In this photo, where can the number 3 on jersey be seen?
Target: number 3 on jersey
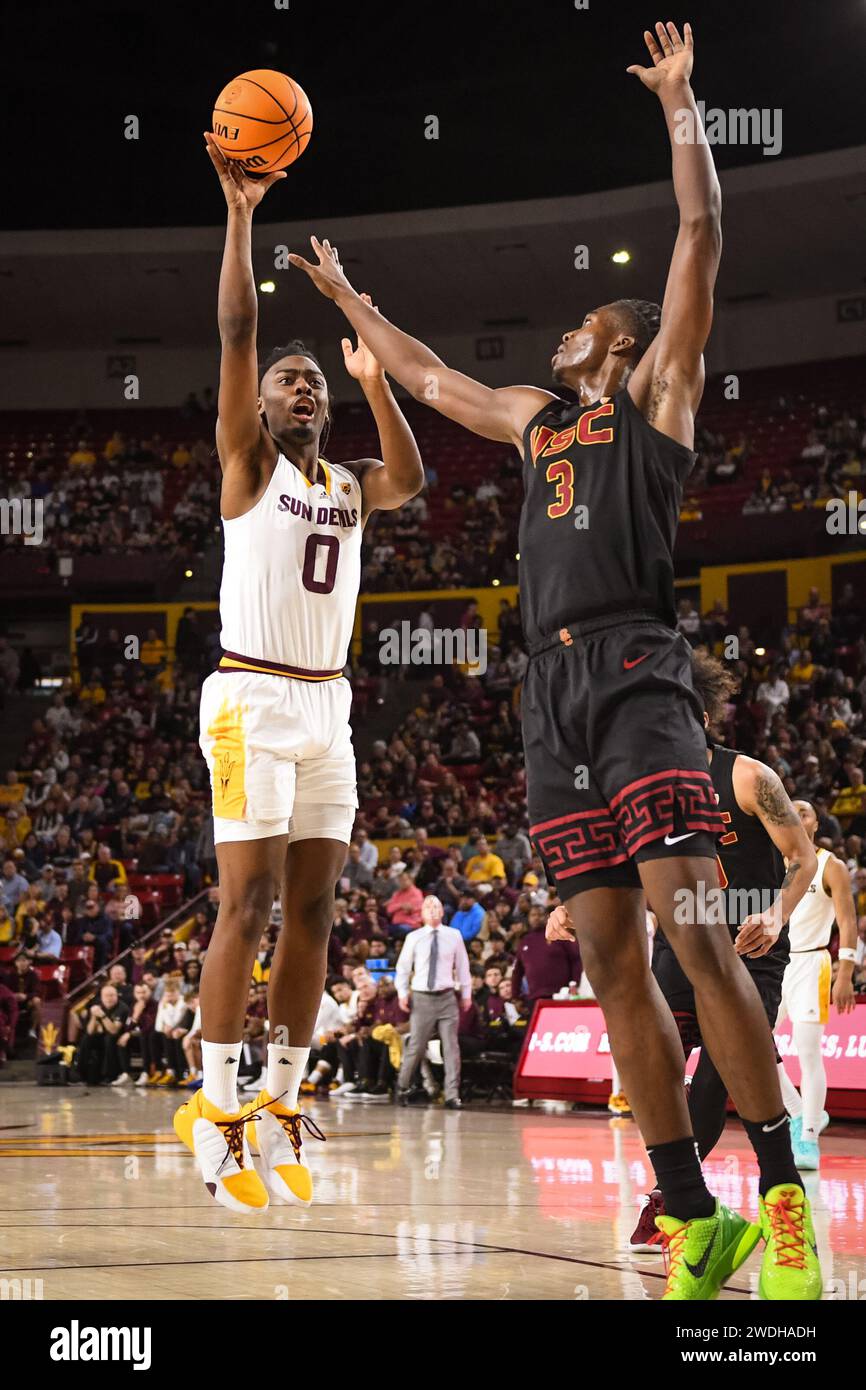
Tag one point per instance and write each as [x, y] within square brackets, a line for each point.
[562, 474]
[319, 572]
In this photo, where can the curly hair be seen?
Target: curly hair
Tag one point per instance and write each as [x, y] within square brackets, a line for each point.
[641, 319]
[715, 684]
[293, 349]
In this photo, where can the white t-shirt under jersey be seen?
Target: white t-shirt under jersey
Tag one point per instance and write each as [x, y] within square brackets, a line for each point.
[292, 570]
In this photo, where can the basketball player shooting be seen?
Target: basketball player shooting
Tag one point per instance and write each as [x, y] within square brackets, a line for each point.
[620, 796]
[275, 715]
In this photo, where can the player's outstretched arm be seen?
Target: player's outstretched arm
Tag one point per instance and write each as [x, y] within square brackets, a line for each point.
[668, 382]
[388, 482]
[837, 880]
[501, 414]
[239, 426]
[759, 792]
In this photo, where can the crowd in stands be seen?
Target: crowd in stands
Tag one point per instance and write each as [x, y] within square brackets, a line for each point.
[831, 463]
[117, 493]
[114, 496]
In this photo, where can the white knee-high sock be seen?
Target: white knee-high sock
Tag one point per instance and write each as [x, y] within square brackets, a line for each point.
[220, 1062]
[285, 1073]
[791, 1098]
[615, 1083]
[813, 1085]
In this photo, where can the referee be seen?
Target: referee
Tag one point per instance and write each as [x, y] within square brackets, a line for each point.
[433, 966]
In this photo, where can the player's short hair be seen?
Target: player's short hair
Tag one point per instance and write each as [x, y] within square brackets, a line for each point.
[293, 349]
[641, 318]
[715, 684]
[296, 348]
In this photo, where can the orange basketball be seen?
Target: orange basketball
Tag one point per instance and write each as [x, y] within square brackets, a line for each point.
[263, 119]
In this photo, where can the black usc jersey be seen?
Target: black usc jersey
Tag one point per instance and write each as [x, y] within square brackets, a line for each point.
[749, 861]
[603, 490]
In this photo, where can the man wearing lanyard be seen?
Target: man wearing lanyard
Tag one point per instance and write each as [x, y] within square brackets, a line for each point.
[433, 965]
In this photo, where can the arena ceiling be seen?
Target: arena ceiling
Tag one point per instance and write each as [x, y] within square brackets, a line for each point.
[532, 98]
[793, 229]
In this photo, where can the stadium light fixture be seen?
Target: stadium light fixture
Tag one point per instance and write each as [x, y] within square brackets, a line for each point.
[621, 257]
[268, 286]
[760, 651]
[495, 583]
[187, 574]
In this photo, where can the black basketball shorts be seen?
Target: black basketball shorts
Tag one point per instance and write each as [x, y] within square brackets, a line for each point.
[616, 755]
[766, 971]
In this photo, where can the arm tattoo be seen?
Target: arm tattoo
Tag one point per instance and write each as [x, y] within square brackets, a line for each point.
[773, 803]
[793, 870]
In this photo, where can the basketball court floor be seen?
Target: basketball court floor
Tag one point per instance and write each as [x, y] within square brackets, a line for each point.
[100, 1201]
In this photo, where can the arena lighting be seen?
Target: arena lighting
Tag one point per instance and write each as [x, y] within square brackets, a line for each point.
[187, 574]
[495, 583]
[517, 556]
[268, 286]
[760, 651]
[621, 257]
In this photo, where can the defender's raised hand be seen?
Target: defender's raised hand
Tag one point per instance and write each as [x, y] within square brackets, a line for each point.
[240, 191]
[360, 362]
[672, 56]
[327, 276]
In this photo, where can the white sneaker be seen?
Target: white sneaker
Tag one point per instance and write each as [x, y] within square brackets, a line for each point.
[275, 1141]
[122, 1079]
[143, 1079]
[222, 1151]
[345, 1088]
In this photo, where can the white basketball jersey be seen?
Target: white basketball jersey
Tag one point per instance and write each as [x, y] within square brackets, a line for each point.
[292, 570]
[812, 919]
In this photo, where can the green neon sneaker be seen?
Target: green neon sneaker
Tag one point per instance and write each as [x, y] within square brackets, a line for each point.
[702, 1253]
[790, 1269]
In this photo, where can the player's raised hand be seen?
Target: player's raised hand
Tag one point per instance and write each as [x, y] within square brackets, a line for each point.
[671, 55]
[360, 362]
[559, 926]
[327, 274]
[240, 191]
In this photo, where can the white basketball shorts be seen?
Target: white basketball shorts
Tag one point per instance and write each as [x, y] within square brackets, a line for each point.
[806, 987]
[279, 752]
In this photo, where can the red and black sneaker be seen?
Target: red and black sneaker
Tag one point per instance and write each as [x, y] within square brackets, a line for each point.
[646, 1237]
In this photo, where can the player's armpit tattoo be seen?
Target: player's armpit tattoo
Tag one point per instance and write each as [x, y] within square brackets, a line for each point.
[791, 873]
[772, 801]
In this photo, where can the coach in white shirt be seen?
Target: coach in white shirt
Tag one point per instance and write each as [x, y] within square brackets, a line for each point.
[434, 967]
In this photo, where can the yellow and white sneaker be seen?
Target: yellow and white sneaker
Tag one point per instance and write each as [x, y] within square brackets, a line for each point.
[275, 1141]
[618, 1105]
[220, 1146]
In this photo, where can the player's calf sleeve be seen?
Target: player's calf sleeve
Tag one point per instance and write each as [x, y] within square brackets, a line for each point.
[791, 1098]
[813, 1077]
[708, 1097]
